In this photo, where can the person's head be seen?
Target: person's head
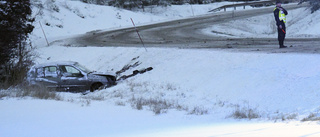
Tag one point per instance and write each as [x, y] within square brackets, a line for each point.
[278, 3]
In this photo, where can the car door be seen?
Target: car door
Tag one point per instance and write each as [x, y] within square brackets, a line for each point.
[72, 78]
[48, 77]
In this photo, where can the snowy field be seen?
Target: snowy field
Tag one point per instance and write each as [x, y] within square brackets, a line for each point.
[190, 92]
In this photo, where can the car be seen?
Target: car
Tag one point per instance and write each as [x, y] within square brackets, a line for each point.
[67, 76]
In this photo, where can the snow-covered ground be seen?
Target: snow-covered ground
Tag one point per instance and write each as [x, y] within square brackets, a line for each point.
[190, 92]
[38, 118]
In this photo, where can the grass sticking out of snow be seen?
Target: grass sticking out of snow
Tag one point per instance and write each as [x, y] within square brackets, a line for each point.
[314, 116]
[23, 93]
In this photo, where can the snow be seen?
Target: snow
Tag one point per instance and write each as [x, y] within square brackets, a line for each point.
[202, 87]
[99, 119]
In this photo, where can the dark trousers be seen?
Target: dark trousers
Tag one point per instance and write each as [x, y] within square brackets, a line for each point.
[281, 34]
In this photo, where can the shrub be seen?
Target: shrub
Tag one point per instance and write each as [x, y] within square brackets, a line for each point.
[312, 117]
[158, 106]
[245, 113]
[198, 111]
[284, 117]
[290, 116]
[99, 97]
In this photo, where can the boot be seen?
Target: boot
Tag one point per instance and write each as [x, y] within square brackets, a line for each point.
[282, 46]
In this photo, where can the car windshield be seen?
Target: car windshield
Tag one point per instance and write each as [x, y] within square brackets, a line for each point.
[84, 69]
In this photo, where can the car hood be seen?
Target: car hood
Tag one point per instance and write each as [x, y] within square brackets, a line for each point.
[103, 74]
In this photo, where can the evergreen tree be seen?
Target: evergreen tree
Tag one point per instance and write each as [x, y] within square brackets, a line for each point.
[15, 25]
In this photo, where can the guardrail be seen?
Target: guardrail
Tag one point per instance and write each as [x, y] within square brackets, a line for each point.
[252, 4]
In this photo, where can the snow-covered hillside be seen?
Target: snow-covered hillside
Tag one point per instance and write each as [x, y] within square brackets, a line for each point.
[189, 92]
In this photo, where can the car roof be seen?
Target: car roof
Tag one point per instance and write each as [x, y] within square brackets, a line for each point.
[56, 63]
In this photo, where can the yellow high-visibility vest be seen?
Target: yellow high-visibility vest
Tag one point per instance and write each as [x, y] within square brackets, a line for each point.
[282, 16]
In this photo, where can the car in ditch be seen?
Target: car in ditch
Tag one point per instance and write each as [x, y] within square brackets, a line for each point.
[67, 76]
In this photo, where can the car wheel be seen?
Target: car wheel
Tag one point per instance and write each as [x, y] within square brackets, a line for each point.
[95, 86]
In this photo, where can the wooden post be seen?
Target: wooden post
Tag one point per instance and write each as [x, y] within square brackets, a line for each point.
[192, 10]
[44, 33]
[138, 35]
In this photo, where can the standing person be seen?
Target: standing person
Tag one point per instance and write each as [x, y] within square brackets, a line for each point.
[280, 16]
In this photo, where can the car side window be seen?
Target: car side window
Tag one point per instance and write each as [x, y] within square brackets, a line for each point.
[70, 71]
[50, 71]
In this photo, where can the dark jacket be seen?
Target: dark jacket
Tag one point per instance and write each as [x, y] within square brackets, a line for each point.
[276, 15]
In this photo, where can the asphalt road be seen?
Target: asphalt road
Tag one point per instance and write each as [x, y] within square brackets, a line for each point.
[186, 33]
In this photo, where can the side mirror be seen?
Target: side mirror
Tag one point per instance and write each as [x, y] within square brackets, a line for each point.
[80, 75]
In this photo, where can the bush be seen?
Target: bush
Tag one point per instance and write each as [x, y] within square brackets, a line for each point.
[198, 111]
[285, 117]
[99, 97]
[312, 117]
[245, 113]
[156, 105]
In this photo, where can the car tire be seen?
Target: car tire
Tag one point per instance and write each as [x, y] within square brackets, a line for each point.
[95, 86]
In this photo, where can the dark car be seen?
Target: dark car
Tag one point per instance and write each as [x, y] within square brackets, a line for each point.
[68, 76]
